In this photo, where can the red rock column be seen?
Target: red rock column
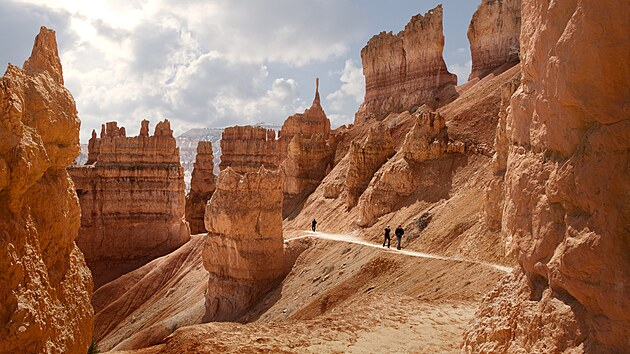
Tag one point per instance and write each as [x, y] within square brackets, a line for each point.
[202, 187]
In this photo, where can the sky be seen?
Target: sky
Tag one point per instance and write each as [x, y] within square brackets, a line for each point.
[217, 63]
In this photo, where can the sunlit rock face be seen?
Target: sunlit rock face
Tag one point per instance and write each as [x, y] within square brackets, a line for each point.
[494, 36]
[244, 253]
[201, 187]
[406, 70]
[132, 200]
[247, 148]
[565, 213]
[45, 286]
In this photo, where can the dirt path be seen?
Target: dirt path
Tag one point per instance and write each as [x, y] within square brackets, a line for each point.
[356, 240]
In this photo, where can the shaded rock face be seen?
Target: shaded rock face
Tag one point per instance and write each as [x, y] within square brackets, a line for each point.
[406, 70]
[201, 187]
[244, 252]
[405, 173]
[567, 188]
[247, 148]
[308, 162]
[365, 158]
[132, 200]
[45, 286]
[494, 33]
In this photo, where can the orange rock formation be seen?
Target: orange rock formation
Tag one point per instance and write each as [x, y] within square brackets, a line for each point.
[246, 149]
[566, 188]
[202, 186]
[244, 252]
[494, 36]
[132, 200]
[406, 70]
[45, 286]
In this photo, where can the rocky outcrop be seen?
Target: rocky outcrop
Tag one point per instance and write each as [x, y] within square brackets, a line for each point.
[406, 70]
[45, 286]
[566, 188]
[404, 174]
[312, 121]
[244, 252]
[132, 200]
[308, 162]
[201, 187]
[247, 148]
[494, 33]
[365, 158]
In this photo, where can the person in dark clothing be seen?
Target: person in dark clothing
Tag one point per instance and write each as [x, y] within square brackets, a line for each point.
[387, 238]
[399, 234]
[313, 224]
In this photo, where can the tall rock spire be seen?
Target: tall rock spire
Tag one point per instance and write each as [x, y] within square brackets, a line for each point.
[316, 100]
[45, 56]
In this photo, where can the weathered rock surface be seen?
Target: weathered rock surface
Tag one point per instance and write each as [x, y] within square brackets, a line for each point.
[494, 34]
[244, 252]
[312, 121]
[307, 163]
[567, 188]
[365, 158]
[405, 174]
[247, 148]
[202, 186]
[144, 306]
[406, 70]
[45, 286]
[132, 200]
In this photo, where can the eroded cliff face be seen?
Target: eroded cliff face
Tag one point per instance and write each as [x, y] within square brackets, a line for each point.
[567, 187]
[202, 187]
[45, 286]
[244, 252]
[406, 70]
[132, 200]
[247, 148]
[494, 34]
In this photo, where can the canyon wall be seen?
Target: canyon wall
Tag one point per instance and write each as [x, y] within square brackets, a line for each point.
[45, 286]
[244, 252]
[132, 200]
[406, 70]
[567, 187]
[202, 186]
[247, 148]
[494, 33]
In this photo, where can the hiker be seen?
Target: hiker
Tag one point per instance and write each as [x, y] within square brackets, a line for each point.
[313, 224]
[399, 234]
[387, 238]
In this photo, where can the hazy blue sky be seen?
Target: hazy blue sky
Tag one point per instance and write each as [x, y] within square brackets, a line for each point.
[216, 63]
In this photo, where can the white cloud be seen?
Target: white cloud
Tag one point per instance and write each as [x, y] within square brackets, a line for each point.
[352, 86]
[462, 71]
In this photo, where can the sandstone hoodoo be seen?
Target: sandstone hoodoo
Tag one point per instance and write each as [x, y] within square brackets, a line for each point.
[244, 250]
[565, 213]
[202, 186]
[132, 200]
[494, 36]
[247, 148]
[406, 70]
[45, 286]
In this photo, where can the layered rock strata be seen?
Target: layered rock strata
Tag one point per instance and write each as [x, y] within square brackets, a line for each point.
[307, 163]
[494, 33]
[202, 187]
[312, 121]
[404, 174]
[132, 200]
[244, 252]
[247, 148]
[45, 286]
[566, 188]
[365, 158]
[406, 70]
